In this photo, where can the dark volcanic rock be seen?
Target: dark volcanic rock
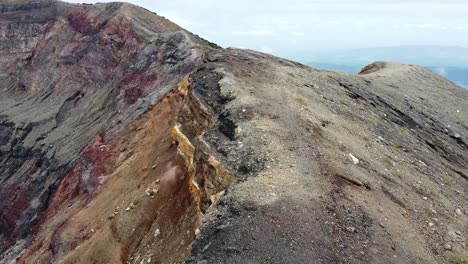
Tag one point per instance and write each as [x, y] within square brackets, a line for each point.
[68, 73]
[120, 132]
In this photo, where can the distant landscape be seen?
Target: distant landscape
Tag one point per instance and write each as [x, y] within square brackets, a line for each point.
[450, 62]
[126, 138]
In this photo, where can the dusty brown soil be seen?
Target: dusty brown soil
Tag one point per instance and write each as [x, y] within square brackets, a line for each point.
[121, 135]
[310, 202]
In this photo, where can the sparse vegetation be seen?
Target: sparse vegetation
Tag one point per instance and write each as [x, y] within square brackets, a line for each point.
[458, 258]
[301, 100]
[399, 175]
[372, 121]
[396, 145]
[403, 132]
[447, 181]
[433, 193]
[388, 162]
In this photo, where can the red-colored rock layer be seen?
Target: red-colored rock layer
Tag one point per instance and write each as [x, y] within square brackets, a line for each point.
[73, 78]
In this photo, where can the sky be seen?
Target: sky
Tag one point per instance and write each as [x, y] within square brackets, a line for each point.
[296, 28]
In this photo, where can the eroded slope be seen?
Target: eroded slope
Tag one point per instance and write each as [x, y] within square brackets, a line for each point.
[351, 169]
[117, 127]
[72, 75]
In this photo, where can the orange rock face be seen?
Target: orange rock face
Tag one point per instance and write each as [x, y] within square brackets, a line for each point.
[89, 99]
[154, 182]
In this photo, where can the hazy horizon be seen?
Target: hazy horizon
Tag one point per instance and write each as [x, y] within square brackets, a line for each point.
[343, 35]
[299, 27]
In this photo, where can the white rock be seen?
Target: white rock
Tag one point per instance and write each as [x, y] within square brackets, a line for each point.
[157, 232]
[354, 159]
[458, 211]
[447, 246]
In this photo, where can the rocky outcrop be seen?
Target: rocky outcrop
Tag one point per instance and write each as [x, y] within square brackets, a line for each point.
[73, 75]
[153, 183]
[121, 135]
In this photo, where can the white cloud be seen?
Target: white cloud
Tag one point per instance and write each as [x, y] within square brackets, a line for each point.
[266, 49]
[257, 33]
[298, 33]
[297, 28]
[432, 26]
[441, 71]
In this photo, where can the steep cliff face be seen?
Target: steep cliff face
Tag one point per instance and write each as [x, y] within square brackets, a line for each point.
[73, 78]
[155, 180]
[120, 134]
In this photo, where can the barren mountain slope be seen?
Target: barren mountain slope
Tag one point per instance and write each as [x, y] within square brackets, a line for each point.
[350, 169]
[119, 132]
[73, 77]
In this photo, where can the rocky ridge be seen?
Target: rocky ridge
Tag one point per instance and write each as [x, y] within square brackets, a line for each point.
[120, 132]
